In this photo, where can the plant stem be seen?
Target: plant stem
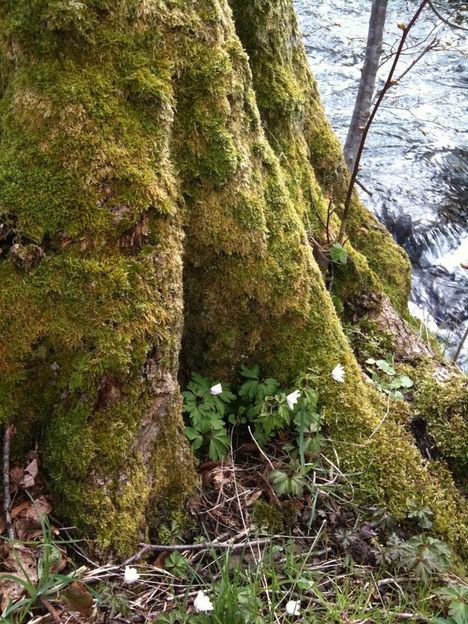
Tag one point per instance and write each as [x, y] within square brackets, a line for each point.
[388, 84]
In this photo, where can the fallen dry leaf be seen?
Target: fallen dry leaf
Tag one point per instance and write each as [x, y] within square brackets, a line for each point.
[78, 598]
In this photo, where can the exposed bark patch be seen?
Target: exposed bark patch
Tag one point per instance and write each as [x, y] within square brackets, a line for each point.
[134, 239]
[423, 439]
[109, 393]
[408, 345]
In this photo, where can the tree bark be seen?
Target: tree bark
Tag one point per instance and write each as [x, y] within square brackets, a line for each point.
[367, 82]
[162, 169]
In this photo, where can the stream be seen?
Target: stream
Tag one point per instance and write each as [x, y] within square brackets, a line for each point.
[415, 163]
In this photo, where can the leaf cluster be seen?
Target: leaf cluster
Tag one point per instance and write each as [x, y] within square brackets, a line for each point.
[385, 378]
[258, 403]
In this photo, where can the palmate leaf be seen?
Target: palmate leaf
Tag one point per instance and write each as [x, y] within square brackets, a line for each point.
[250, 373]
[458, 610]
[338, 254]
[199, 385]
[219, 445]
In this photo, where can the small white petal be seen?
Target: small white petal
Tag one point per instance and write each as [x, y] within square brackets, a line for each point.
[293, 607]
[217, 389]
[202, 603]
[130, 575]
[293, 398]
[338, 373]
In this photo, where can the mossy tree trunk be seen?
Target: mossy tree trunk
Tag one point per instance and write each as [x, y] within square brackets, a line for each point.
[159, 155]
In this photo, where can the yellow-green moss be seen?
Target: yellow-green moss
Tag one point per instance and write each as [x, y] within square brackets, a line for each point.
[252, 288]
[300, 134]
[120, 122]
[444, 409]
[91, 322]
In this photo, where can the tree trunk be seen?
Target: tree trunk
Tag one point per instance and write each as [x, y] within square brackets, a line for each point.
[91, 302]
[367, 82]
[124, 126]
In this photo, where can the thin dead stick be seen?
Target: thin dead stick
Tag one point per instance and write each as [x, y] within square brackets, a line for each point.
[260, 448]
[147, 548]
[53, 612]
[460, 346]
[444, 19]
[8, 433]
[388, 84]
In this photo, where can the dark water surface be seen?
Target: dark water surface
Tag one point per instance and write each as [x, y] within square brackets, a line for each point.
[416, 160]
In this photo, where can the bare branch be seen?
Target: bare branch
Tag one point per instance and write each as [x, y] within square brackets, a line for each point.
[388, 84]
[444, 19]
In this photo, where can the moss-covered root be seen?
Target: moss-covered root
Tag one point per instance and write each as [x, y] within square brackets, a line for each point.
[308, 150]
[90, 265]
[253, 289]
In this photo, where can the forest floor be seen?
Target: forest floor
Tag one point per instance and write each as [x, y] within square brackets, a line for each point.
[255, 556]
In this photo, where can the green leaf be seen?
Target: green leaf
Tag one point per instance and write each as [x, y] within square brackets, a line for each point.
[385, 367]
[219, 445]
[338, 254]
[405, 381]
[250, 373]
[458, 610]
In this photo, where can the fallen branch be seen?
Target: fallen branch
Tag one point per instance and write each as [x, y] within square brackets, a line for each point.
[52, 611]
[147, 548]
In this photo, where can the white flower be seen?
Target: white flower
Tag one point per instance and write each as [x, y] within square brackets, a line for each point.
[338, 373]
[293, 398]
[217, 389]
[202, 603]
[293, 607]
[130, 575]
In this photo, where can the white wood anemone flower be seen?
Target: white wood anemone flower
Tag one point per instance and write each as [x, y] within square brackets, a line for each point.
[202, 603]
[293, 398]
[131, 575]
[216, 389]
[338, 373]
[293, 607]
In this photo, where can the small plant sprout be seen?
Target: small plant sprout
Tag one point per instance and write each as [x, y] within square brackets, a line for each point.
[338, 373]
[130, 575]
[216, 389]
[202, 603]
[293, 607]
[386, 379]
[293, 398]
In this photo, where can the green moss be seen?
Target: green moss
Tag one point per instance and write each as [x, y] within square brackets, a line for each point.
[91, 298]
[444, 409]
[302, 138]
[120, 124]
[255, 294]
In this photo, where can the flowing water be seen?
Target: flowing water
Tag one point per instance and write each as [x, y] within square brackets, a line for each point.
[416, 158]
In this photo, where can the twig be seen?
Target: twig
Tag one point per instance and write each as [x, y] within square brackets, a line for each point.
[147, 548]
[365, 189]
[388, 84]
[8, 433]
[444, 19]
[433, 44]
[53, 612]
[460, 346]
[262, 452]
